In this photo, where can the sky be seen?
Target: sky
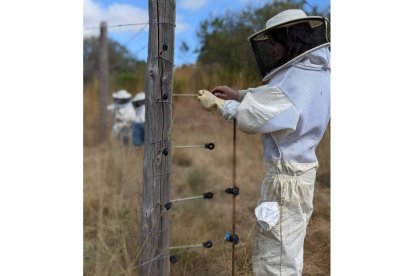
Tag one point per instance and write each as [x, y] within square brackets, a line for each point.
[189, 14]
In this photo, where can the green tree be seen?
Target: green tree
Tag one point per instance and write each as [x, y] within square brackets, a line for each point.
[121, 62]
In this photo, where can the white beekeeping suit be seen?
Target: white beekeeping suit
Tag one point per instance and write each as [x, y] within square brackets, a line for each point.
[124, 114]
[291, 112]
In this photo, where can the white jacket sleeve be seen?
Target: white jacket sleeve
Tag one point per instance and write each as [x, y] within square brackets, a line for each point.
[229, 110]
[286, 120]
[266, 110]
[243, 93]
[230, 106]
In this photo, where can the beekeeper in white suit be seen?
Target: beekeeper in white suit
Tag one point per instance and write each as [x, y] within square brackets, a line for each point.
[291, 112]
[124, 114]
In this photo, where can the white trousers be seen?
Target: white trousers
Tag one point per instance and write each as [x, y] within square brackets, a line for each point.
[279, 251]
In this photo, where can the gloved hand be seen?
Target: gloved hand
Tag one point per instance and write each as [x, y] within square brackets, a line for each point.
[209, 101]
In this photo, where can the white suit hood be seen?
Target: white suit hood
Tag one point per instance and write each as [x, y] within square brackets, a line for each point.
[319, 59]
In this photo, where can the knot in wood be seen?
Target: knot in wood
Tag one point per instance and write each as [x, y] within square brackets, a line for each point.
[153, 71]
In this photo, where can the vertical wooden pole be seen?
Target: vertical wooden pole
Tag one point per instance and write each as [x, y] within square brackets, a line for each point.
[154, 258]
[103, 80]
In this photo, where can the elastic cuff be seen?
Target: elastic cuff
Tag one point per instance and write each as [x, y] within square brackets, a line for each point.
[220, 104]
[242, 94]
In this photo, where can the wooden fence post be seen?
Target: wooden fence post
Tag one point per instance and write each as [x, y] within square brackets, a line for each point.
[154, 259]
[103, 80]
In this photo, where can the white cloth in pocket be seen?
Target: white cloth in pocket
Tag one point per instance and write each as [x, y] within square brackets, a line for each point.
[267, 214]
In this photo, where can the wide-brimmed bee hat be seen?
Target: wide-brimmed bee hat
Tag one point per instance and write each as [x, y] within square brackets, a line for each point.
[290, 27]
[121, 97]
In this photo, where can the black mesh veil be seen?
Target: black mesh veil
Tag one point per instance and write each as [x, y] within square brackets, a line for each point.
[122, 101]
[296, 39]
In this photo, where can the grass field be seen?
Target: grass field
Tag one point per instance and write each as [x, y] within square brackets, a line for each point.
[113, 184]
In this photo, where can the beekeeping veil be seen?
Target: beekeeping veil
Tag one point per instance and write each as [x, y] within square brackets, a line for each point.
[297, 33]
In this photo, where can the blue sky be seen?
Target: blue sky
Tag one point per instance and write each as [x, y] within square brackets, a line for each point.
[189, 13]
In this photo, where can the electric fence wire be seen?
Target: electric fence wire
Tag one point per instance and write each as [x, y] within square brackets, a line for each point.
[131, 24]
[234, 198]
[134, 36]
[177, 250]
[117, 26]
[140, 49]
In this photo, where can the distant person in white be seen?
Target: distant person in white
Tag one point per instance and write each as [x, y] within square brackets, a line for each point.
[124, 114]
[138, 124]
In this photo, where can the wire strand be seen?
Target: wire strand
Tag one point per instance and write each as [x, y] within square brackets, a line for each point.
[131, 24]
[186, 246]
[134, 36]
[234, 198]
[117, 26]
[185, 95]
[187, 198]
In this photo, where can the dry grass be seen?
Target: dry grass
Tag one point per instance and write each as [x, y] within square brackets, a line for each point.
[113, 183]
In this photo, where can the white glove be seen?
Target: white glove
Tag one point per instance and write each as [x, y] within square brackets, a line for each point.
[209, 101]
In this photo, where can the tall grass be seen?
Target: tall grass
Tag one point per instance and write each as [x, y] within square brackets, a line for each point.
[113, 183]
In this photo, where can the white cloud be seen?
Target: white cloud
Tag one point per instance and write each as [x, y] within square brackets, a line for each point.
[115, 14]
[122, 13]
[193, 4]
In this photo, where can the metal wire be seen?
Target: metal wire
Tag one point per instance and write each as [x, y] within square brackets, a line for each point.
[187, 198]
[184, 95]
[183, 147]
[166, 60]
[134, 36]
[160, 256]
[234, 198]
[117, 26]
[186, 246]
[130, 24]
[168, 23]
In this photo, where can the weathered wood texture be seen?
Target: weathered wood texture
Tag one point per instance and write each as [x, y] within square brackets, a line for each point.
[103, 80]
[154, 258]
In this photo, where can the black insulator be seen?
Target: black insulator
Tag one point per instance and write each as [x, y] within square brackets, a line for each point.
[235, 239]
[165, 47]
[231, 238]
[208, 195]
[168, 205]
[207, 244]
[165, 152]
[235, 191]
[209, 146]
[173, 259]
[164, 97]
